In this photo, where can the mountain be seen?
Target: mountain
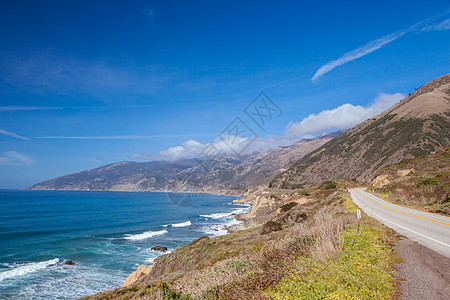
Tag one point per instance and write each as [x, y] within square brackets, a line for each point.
[125, 176]
[225, 174]
[253, 171]
[417, 125]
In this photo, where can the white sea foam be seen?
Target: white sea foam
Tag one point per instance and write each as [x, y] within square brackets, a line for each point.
[218, 215]
[220, 229]
[27, 268]
[69, 283]
[215, 230]
[183, 224]
[150, 260]
[236, 211]
[145, 235]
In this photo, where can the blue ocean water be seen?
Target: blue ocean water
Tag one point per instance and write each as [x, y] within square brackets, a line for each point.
[107, 234]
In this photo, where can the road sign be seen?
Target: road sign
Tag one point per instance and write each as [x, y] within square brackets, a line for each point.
[358, 214]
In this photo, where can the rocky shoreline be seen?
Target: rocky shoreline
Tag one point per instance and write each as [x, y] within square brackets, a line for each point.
[144, 270]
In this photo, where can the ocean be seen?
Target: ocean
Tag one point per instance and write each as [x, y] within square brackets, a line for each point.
[106, 234]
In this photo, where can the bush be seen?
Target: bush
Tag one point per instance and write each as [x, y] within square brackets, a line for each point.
[271, 226]
[329, 185]
[429, 181]
[288, 206]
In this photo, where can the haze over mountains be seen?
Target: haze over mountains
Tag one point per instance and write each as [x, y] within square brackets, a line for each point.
[216, 175]
[415, 126]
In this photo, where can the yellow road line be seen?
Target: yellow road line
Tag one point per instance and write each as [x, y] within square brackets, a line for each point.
[402, 211]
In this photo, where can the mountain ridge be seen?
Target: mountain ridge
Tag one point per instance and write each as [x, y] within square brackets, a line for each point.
[186, 175]
[417, 125]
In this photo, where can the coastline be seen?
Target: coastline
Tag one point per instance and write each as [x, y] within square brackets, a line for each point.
[173, 227]
[235, 224]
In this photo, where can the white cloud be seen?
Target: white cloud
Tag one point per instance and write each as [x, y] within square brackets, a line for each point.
[190, 148]
[14, 158]
[12, 134]
[345, 116]
[378, 43]
[342, 117]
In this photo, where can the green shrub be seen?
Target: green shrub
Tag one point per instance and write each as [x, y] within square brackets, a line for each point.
[329, 185]
[270, 226]
[288, 206]
[429, 181]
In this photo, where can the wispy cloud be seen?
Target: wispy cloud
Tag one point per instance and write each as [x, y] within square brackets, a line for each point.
[28, 108]
[357, 53]
[444, 25]
[49, 71]
[14, 158]
[374, 45]
[117, 137]
[14, 135]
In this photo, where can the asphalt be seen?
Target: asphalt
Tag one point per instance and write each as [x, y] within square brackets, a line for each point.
[430, 230]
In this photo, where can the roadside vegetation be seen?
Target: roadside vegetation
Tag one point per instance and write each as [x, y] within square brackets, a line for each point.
[422, 182]
[316, 249]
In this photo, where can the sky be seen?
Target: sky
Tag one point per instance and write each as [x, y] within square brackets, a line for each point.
[88, 83]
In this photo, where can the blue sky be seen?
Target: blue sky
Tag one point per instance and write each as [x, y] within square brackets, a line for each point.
[86, 83]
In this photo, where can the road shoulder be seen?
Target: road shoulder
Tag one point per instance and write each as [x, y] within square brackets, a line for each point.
[423, 274]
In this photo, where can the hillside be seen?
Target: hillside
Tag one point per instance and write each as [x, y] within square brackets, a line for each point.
[417, 125]
[309, 250]
[228, 174]
[126, 176]
[422, 182]
[253, 171]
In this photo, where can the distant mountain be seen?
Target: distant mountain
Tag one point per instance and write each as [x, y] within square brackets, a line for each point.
[417, 125]
[251, 172]
[224, 174]
[124, 176]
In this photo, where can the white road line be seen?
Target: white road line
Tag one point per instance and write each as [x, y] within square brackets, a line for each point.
[430, 238]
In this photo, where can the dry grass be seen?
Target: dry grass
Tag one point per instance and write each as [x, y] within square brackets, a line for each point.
[427, 188]
[250, 274]
[248, 264]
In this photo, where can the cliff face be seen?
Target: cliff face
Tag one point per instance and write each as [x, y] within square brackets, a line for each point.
[415, 126]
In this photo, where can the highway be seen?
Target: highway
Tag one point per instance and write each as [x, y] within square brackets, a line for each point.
[430, 230]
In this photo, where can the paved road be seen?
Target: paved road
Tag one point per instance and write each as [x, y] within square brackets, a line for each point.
[430, 230]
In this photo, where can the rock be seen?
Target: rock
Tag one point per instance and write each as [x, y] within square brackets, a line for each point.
[381, 180]
[141, 271]
[159, 248]
[69, 262]
[405, 172]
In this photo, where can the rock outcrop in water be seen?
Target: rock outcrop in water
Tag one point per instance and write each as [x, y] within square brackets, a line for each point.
[159, 248]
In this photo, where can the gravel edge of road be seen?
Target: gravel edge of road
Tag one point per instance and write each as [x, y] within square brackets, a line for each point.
[423, 274]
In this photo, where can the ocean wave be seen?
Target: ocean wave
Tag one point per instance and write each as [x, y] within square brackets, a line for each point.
[183, 224]
[27, 268]
[215, 230]
[236, 211]
[145, 235]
